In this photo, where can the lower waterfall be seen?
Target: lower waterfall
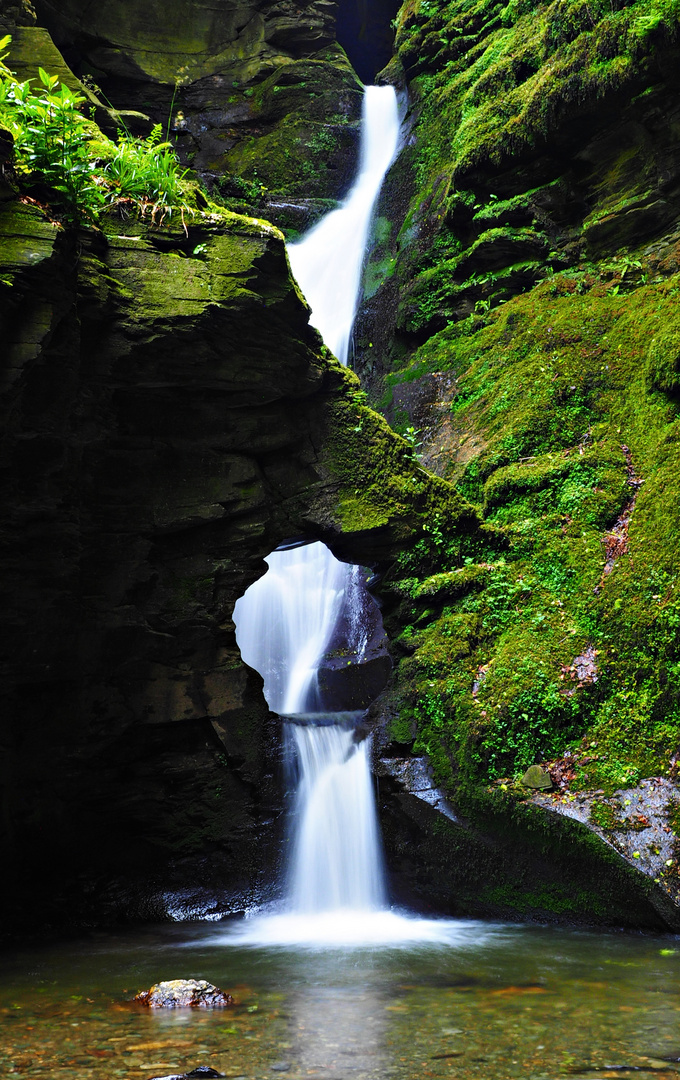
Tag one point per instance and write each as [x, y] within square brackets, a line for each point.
[337, 858]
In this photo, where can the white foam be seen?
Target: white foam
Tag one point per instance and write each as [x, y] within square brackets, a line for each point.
[345, 928]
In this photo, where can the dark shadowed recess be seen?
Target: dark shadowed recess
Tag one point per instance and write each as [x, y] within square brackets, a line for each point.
[364, 29]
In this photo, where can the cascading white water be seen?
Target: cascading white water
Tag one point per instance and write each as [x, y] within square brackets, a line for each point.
[285, 621]
[337, 857]
[328, 260]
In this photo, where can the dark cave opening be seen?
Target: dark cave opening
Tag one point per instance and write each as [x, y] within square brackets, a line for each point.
[364, 29]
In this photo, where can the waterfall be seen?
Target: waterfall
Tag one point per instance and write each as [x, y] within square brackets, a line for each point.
[337, 857]
[328, 260]
[285, 621]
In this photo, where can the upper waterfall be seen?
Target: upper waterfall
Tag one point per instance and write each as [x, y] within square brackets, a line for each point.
[327, 262]
[286, 619]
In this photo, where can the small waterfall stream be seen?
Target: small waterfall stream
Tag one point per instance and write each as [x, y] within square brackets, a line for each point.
[285, 621]
[336, 862]
[328, 261]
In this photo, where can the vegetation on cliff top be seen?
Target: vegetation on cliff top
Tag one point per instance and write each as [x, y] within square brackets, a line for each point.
[58, 149]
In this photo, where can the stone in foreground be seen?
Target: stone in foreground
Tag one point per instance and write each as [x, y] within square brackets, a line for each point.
[184, 993]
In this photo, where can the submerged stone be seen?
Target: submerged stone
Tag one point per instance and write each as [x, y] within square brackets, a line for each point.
[537, 777]
[185, 993]
[200, 1071]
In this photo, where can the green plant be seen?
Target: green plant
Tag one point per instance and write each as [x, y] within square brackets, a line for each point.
[147, 171]
[57, 147]
[52, 138]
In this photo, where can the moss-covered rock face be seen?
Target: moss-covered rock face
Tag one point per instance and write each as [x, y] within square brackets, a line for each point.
[519, 325]
[169, 417]
[540, 136]
[170, 42]
[300, 143]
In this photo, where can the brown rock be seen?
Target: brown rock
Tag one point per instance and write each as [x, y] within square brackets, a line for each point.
[184, 993]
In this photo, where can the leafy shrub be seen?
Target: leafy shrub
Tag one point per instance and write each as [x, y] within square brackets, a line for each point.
[56, 145]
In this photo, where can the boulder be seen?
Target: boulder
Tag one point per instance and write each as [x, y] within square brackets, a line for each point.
[183, 994]
[537, 777]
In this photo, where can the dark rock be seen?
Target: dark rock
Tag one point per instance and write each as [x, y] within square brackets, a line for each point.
[185, 993]
[195, 1074]
[201, 1070]
[171, 1076]
[169, 420]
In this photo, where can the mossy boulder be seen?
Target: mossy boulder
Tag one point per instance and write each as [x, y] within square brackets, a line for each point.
[662, 366]
[537, 778]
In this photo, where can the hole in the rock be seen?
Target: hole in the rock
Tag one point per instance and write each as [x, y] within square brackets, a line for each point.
[364, 29]
[313, 631]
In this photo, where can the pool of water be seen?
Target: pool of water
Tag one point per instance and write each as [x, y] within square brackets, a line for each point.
[485, 1001]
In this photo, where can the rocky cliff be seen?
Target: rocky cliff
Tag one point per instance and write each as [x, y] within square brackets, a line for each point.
[170, 418]
[519, 324]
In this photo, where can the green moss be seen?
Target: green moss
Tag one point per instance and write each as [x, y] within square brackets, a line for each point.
[662, 366]
[379, 478]
[552, 393]
[503, 77]
[302, 143]
[604, 815]
[556, 899]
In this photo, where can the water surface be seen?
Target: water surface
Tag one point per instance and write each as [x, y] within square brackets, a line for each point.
[495, 1002]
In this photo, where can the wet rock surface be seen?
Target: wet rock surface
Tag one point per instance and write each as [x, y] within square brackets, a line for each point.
[414, 775]
[185, 993]
[637, 822]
